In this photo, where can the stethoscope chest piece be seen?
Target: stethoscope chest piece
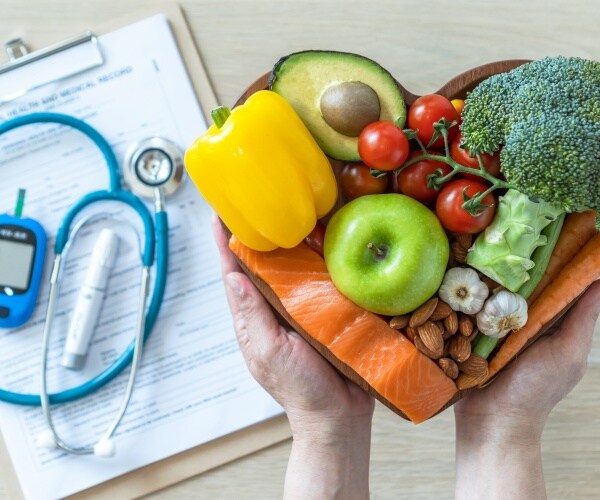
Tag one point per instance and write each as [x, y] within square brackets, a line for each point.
[151, 164]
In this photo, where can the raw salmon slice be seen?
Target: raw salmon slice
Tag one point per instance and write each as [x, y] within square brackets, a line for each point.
[386, 360]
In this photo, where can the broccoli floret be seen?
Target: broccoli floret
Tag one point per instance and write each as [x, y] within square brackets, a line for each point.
[556, 158]
[546, 114]
[486, 116]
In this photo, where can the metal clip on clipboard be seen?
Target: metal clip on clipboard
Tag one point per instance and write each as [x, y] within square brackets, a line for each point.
[20, 59]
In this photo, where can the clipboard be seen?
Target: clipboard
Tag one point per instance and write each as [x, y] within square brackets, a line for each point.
[196, 460]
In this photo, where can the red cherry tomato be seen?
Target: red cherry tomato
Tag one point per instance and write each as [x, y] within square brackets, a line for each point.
[426, 111]
[383, 146]
[412, 180]
[356, 180]
[451, 213]
[460, 155]
[315, 239]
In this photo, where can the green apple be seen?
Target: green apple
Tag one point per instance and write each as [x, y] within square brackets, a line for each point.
[386, 252]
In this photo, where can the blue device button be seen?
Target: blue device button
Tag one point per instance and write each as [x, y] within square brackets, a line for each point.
[4, 312]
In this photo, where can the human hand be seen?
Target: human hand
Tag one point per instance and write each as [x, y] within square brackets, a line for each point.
[499, 428]
[526, 392]
[330, 416]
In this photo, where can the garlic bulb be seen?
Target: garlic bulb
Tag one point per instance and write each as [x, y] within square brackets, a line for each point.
[463, 291]
[502, 312]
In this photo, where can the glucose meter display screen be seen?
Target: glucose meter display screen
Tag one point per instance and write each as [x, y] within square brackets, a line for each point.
[15, 264]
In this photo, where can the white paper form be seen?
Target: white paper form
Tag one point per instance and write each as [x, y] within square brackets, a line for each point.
[193, 386]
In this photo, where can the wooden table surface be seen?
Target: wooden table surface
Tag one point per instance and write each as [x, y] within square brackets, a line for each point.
[423, 44]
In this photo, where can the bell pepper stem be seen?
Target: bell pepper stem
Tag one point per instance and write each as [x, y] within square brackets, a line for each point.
[220, 115]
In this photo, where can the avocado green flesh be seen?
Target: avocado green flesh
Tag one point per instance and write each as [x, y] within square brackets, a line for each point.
[301, 78]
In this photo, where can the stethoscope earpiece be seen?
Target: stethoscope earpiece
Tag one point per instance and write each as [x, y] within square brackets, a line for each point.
[46, 440]
[105, 448]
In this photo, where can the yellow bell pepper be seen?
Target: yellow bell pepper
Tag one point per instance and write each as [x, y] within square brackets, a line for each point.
[262, 172]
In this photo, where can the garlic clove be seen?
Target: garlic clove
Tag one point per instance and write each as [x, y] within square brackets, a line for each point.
[503, 312]
[463, 291]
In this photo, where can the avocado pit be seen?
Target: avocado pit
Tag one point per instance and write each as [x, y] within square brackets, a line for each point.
[348, 107]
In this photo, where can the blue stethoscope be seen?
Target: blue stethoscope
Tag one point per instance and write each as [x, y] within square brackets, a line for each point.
[152, 179]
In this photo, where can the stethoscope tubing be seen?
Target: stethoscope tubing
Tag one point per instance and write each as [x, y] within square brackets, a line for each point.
[71, 121]
[63, 233]
[156, 237]
[121, 363]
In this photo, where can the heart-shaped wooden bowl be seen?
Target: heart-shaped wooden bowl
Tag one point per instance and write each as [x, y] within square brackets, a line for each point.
[458, 87]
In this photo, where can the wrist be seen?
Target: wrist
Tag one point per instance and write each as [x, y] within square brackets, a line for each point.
[489, 451]
[328, 428]
[330, 459]
[480, 430]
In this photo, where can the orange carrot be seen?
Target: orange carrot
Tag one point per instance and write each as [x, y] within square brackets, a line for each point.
[572, 280]
[577, 230]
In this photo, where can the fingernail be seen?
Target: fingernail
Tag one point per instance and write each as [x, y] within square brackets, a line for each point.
[233, 284]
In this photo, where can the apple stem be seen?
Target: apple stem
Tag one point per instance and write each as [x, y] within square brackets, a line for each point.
[378, 251]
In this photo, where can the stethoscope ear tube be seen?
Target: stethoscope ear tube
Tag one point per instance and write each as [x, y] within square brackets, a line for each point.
[71, 121]
[145, 322]
[63, 233]
[104, 447]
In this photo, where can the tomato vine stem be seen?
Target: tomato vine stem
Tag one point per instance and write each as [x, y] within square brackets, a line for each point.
[437, 179]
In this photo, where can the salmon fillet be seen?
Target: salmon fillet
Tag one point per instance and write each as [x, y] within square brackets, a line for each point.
[382, 356]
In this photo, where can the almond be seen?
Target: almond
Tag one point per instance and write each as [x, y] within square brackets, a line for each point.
[446, 351]
[464, 240]
[460, 253]
[446, 335]
[411, 333]
[451, 323]
[465, 325]
[431, 335]
[399, 322]
[423, 348]
[441, 311]
[460, 348]
[423, 313]
[475, 365]
[473, 335]
[449, 367]
[465, 381]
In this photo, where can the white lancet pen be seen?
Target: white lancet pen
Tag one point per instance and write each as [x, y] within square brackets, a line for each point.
[89, 301]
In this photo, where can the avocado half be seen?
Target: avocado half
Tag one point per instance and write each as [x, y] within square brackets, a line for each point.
[302, 78]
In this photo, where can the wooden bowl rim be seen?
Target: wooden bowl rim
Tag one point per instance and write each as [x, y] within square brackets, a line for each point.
[456, 87]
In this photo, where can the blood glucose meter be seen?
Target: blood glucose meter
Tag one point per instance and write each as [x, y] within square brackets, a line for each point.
[22, 255]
